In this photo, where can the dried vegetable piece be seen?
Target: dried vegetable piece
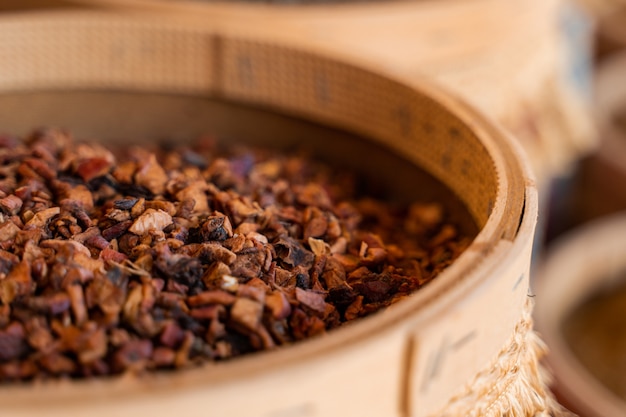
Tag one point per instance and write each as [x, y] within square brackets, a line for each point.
[133, 260]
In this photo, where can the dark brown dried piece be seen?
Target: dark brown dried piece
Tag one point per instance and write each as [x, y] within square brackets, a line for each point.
[213, 252]
[7, 261]
[12, 342]
[117, 230]
[215, 227]
[292, 253]
[132, 355]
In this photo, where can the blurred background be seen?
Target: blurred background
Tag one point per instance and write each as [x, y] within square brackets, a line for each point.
[550, 72]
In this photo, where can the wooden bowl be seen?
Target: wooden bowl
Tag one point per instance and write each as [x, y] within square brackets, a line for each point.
[114, 76]
[579, 264]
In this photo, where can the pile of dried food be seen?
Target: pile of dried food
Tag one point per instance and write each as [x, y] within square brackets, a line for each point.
[140, 259]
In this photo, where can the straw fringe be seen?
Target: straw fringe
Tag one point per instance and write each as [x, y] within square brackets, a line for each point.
[513, 385]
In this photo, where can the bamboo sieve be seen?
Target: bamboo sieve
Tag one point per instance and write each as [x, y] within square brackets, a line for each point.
[463, 345]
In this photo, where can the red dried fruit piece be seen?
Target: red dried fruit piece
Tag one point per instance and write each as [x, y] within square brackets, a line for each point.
[211, 312]
[91, 168]
[110, 255]
[211, 297]
[311, 299]
[117, 230]
[163, 357]
[57, 364]
[11, 204]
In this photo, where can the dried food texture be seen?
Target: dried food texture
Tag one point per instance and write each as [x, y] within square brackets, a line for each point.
[137, 259]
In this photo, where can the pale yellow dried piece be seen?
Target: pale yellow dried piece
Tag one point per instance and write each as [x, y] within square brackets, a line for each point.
[150, 220]
[230, 283]
[118, 215]
[152, 176]
[340, 246]
[258, 237]
[41, 218]
[319, 247]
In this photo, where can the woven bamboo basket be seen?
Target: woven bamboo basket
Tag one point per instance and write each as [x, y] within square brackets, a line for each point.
[527, 64]
[579, 264]
[461, 346]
